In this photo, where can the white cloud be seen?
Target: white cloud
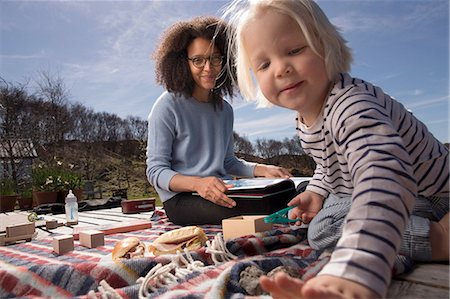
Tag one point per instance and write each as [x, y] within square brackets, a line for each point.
[385, 77]
[438, 121]
[383, 15]
[428, 103]
[280, 124]
[417, 92]
[23, 57]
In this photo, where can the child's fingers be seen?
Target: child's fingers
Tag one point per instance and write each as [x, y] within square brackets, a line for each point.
[294, 202]
[290, 286]
[308, 216]
[282, 286]
[269, 285]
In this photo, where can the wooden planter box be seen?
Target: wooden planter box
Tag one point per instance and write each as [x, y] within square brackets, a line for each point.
[7, 203]
[25, 203]
[42, 197]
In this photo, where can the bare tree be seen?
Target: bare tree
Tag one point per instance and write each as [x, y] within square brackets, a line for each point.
[138, 128]
[52, 90]
[293, 146]
[84, 123]
[12, 99]
[242, 145]
[268, 148]
[14, 130]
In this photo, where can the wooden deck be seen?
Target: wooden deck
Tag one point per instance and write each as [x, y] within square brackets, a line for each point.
[428, 280]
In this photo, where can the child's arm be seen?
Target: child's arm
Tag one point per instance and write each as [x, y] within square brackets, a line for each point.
[380, 169]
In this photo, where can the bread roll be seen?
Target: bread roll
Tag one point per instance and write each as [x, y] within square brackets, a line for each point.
[190, 237]
[128, 248]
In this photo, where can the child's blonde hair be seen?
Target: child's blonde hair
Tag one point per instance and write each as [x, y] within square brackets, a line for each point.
[323, 38]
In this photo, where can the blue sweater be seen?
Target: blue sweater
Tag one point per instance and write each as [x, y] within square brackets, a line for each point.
[189, 137]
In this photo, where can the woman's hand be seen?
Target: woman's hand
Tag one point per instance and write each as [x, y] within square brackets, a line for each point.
[271, 171]
[210, 188]
[213, 189]
[308, 204]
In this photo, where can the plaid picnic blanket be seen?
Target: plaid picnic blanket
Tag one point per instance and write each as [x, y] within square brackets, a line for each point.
[33, 270]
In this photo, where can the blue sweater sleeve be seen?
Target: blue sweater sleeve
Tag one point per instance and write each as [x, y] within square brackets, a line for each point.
[161, 134]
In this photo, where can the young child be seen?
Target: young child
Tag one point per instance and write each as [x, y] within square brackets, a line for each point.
[376, 163]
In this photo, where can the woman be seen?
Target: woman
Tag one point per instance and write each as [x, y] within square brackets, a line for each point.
[190, 136]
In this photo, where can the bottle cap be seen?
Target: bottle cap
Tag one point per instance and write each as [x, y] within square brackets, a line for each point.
[71, 197]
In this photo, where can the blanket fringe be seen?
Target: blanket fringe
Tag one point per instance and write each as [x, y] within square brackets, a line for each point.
[219, 251]
[168, 274]
[106, 292]
[180, 266]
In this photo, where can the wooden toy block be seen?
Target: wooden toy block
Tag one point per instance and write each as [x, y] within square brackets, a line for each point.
[52, 224]
[20, 229]
[114, 228]
[5, 240]
[17, 232]
[244, 225]
[63, 244]
[92, 238]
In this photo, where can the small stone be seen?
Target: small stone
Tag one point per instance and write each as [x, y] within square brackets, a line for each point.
[249, 281]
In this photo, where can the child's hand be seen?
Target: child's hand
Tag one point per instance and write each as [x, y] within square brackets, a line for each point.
[308, 205]
[271, 171]
[283, 286]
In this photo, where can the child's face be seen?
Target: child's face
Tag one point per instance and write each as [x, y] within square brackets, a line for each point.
[288, 72]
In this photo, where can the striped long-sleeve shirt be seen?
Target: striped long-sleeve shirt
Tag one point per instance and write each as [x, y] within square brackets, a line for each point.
[368, 146]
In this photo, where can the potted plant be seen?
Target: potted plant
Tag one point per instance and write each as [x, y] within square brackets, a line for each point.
[74, 182]
[46, 184]
[8, 195]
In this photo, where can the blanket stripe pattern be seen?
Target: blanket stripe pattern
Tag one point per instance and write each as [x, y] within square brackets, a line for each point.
[33, 270]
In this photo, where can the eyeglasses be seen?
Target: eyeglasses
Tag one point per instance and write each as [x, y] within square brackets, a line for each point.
[200, 61]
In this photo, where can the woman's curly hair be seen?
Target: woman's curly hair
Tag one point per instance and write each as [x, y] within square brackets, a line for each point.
[172, 69]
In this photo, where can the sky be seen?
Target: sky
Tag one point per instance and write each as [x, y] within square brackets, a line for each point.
[102, 50]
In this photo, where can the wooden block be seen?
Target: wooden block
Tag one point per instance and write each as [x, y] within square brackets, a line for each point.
[92, 238]
[244, 225]
[114, 228]
[20, 229]
[52, 224]
[63, 244]
[4, 240]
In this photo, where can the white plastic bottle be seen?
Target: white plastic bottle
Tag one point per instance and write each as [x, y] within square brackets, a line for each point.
[71, 209]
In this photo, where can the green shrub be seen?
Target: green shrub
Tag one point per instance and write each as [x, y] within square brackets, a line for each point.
[46, 179]
[7, 187]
